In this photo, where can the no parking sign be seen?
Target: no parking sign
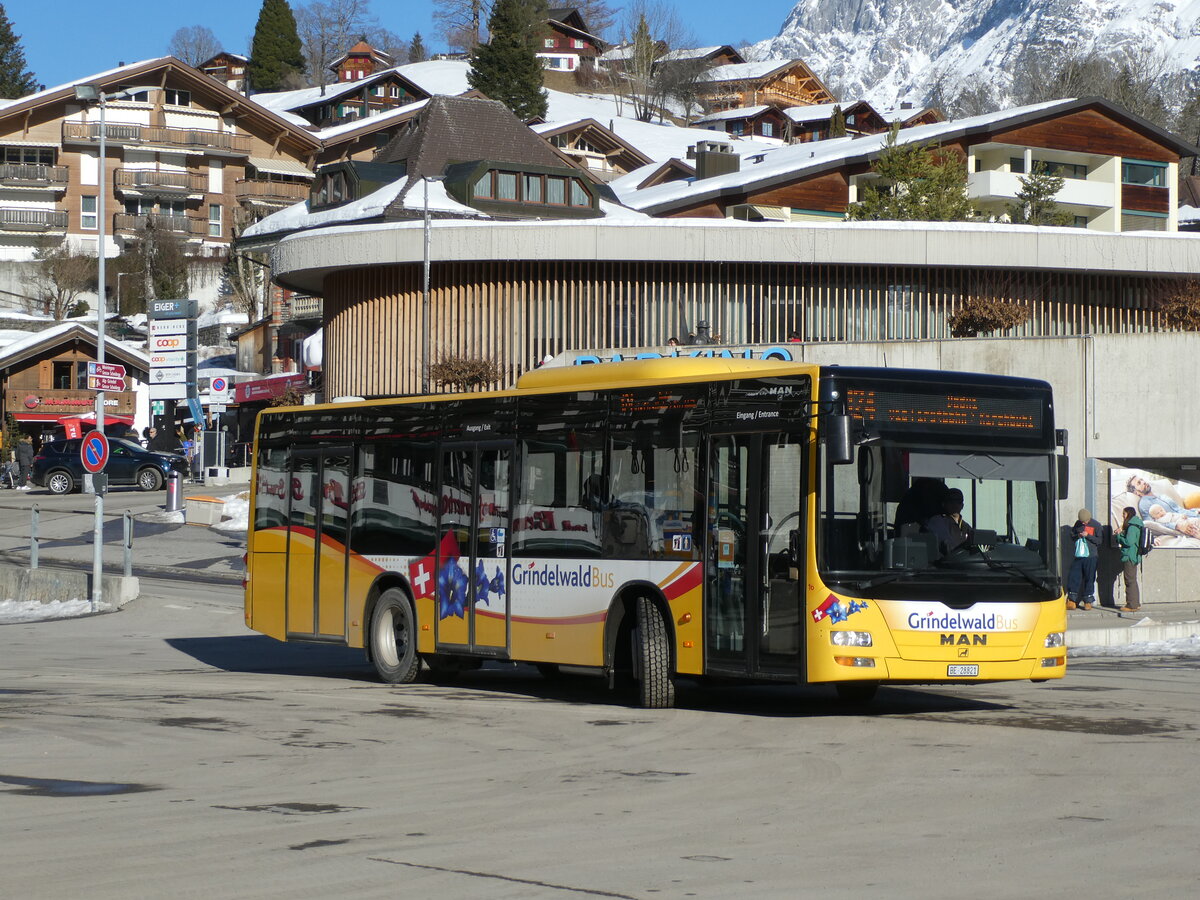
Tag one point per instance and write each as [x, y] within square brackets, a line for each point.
[94, 452]
[218, 389]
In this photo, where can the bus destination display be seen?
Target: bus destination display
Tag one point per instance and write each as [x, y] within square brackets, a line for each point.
[953, 410]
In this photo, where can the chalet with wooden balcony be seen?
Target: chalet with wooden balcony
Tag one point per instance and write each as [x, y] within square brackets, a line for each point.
[181, 149]
[43, 379]
[594, 148]
[1120, 171]
[344, 102]
[564, 43]
[781, 82]
[227, 68]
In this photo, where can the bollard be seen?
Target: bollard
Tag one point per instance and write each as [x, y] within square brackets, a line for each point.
[33, 538]
[174, 492]
[127, 521]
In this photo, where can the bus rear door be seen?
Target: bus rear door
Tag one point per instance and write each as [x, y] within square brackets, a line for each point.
[753, 598]
[473, 571]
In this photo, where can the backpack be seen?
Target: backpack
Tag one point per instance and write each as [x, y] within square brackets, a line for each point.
[1145, 541]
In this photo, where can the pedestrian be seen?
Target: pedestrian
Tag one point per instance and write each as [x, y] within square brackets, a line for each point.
[24, 462]
[1081, 580]
[1129, 537]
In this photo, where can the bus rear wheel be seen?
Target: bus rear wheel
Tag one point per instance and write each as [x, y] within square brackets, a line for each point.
[652, 657]
[393, 638]
[857, 691]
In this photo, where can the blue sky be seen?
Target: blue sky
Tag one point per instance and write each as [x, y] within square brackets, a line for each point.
[69, 39]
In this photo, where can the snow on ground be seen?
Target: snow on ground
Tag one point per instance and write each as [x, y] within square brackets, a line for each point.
[236, 514]
[15, 611]
[1188, 647]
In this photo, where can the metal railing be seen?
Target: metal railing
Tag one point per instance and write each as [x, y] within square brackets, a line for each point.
[188, 225]
[17, 218]
[151, 181]
[33, 175]
[157, 135]
[35, 539]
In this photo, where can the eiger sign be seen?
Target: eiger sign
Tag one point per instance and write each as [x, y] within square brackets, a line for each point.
[171, 309]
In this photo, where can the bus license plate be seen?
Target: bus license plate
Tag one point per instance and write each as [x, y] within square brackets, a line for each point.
[961, 671]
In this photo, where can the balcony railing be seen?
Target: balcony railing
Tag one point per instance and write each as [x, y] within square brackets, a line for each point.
[191, 226]
[305, 308]
[22, 175]
[152, 182]
[270, 191]
[15, 218]
[155, 135]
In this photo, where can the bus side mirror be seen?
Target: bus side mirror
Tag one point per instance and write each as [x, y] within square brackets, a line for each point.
[839, 448]
[1064, 476]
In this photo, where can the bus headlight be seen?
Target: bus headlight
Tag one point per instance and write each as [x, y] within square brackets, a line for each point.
[850, 638]
[1056, 639]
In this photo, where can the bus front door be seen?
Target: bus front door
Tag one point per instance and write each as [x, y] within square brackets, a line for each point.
[753, 599]
[318, 513]
[472, 581]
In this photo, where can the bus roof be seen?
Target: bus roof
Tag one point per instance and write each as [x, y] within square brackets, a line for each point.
[659, 370]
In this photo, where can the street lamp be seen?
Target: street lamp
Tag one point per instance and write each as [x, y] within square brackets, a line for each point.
[89, 93]
[425, 291]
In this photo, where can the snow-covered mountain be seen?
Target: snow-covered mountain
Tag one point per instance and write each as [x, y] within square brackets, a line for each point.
[888, 50]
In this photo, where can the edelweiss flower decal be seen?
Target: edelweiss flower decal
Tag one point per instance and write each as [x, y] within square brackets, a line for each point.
[452, 590]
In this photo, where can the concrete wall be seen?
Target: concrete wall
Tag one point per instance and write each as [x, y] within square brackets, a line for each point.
[50, 585]
[1126, 400]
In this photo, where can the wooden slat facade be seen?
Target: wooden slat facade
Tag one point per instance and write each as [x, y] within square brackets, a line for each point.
[518, 311]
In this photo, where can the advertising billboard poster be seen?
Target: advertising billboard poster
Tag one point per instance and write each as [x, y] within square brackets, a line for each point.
[1169, 507]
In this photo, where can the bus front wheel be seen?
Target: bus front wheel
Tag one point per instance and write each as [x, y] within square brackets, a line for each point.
[394, 638]
[652, 656]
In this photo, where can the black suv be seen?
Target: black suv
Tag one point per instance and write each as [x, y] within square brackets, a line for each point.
[59, 467]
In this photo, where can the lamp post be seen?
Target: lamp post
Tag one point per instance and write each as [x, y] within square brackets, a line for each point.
[88, 92]
[425, 290]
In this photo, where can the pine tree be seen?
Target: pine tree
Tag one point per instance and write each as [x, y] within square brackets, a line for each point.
[15, 80]
[1035, 200]
[837, 122]
[914, 184]
[416, 49]
[506, 68]
[276, 55]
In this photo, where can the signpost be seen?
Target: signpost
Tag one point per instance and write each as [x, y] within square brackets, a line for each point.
[105, 377]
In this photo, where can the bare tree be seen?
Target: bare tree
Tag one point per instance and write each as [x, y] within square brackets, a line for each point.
[644, 77]
[598, 15]
[194, 44]
[244, 273]
[57, 277]
[462, 22]
[328, 28]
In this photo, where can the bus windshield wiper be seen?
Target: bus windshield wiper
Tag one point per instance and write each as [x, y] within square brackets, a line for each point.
[887, 578]
[1000, 566]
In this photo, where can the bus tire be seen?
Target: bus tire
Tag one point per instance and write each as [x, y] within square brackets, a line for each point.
[393, 638]
[652, 657]
[857, 691]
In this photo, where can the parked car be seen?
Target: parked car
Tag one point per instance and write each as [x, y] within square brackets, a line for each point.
[59, 468]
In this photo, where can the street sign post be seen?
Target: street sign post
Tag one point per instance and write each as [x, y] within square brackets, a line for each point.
[93, 452]
[218, 389]
[106, 370]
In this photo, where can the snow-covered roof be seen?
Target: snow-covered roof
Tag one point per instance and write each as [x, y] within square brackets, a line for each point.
[745, 71]
[438, 76]
[790, 161]
[690, 53]
[400, 112]
[48, 335]
[297, 216]
[740, 112]
[1189, 214]
[287, 101]
[87, 79]
[212, 317]
[818, 112]
[656, 141]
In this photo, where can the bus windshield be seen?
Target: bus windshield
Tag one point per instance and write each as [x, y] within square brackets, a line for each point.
[957, 525]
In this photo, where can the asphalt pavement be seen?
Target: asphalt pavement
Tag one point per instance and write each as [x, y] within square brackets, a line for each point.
[163, 546]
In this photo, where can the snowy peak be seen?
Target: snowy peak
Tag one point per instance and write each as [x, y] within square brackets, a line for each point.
[887, 50]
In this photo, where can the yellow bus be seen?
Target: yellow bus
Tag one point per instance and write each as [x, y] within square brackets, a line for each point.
[664, 518]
